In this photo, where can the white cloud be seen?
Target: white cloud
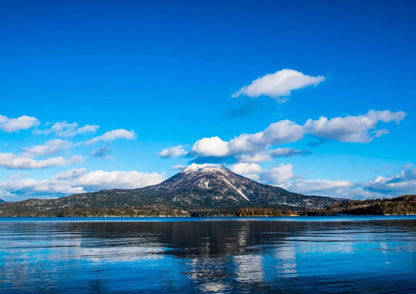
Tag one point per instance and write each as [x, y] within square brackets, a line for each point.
[213, 146]
[16, 124]
[284, 131]
[358, 129]
[49, 148]
[402, 183]
[386, 116]
[283, 176]
[26, 160]
[65, 129]
[336, 188]
[270, 155]
[279, 175]
[118, 179]
[113, 135]
[321, 187]
[255, 158]
[254, 147]
[281, 132]
[176, 151]
[22, 161]
[77, 181]
[34, 188]
[71, 174]
[278, 84]
[249, 170]
[247, 143]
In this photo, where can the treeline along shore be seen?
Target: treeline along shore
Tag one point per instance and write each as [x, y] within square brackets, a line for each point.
[402, 205]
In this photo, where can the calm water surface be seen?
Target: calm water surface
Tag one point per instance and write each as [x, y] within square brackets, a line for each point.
[290, 255]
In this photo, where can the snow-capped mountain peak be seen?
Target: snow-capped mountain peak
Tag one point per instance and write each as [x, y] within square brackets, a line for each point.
[205, 168]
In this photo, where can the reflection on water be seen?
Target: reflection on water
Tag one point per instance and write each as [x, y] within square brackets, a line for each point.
[370, 255]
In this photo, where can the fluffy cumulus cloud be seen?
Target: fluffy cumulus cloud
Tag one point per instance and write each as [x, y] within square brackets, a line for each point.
[279, 84]
[256, 147]
[281, 132]
[113, 135]
[65, 129]
[16, 124]
[358, 129]
[402, 183]
[249, 170]
[46, 156]
[77, 181]
[39, 156]
[49, 148]
[279, 175]
[28, 159]
[269, 155]
[322, 187]
[171, 152]
[118, 179]
[282, 175]
[12, 188]
[23, 161]
[255, 158]
[208, 147]
[71, 174]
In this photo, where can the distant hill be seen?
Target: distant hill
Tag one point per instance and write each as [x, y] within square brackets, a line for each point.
[401, 205]
[196, 190]
[1, 200]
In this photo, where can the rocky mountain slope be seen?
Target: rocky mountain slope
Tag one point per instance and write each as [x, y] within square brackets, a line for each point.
[202, 189]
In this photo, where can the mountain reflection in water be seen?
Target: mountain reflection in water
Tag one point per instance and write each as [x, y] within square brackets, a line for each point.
[212, 256]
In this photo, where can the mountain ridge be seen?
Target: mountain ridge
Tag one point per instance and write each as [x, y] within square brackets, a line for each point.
[196, 189]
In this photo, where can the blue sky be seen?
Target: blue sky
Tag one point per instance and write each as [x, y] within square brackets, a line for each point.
[316, 97]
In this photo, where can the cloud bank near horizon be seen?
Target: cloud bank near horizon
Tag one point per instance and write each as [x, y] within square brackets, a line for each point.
[76, 181]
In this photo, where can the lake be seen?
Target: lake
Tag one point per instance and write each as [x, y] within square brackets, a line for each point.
[208, 255]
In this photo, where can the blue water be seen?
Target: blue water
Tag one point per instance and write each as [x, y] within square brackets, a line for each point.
[208, 255]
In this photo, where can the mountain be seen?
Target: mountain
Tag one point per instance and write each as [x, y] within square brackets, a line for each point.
[196, 190]
[214, 186]
[1, 200]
